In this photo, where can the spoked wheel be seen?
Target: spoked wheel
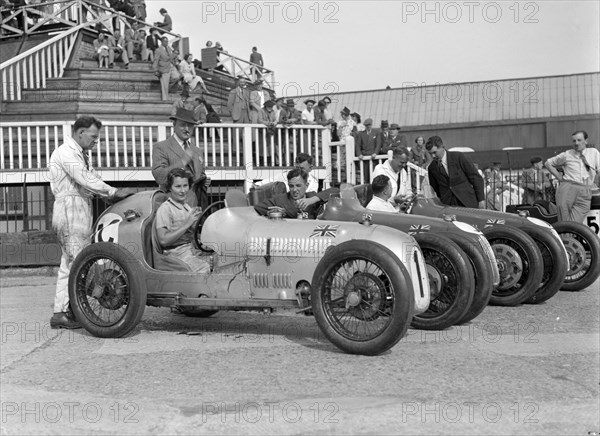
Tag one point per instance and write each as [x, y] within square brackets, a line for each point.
[105, 290]
[484, 270]
[451, 283]
[519, 264]
[218, 205]
[583, 250]
[362, 297]
[554, 260]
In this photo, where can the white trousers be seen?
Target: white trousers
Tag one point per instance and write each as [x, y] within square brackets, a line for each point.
[72, 220]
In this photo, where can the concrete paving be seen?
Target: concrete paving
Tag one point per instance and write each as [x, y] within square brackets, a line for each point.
[528, 370]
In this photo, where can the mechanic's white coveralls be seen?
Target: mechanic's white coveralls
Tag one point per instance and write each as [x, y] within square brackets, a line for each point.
[73, 186]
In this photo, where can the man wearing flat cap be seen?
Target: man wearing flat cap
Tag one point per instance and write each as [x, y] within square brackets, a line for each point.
[180, 151]
[535, 182]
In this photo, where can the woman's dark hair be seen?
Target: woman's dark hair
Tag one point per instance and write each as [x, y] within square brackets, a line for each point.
[186, 57]
[178, 172]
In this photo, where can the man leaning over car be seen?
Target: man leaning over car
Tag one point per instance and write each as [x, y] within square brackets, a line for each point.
[297, 203]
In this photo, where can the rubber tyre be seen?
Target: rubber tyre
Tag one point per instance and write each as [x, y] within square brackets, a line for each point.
[128, 273]
[448, 260]
[555, 263]
[590, 242]
[196, 312]
[530, 256]
[484, 275]
[398, 287]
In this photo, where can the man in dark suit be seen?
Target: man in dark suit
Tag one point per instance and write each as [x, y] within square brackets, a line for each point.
[382, 137]
[366, 146]
[453, 177]
[179, 151]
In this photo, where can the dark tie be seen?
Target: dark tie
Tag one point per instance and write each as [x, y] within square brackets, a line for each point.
[190, 166]
[585, 162]
[443, 169]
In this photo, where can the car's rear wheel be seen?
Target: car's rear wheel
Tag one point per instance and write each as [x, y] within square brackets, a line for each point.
[451, 282]
[519, 263]
[583, 250]
[554, 260]
[105, 290]
[484, 275]
[362, 297]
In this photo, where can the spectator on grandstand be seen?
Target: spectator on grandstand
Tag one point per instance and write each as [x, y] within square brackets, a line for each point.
[152, 44]
[139, 7]
[290, 115]
[256, 59]
[359, 127]
[279, 106]
[101, 50]
[188, 73]
[116, 46]
[167, 24]
[184, 102]
[258, 97]
[308, 114]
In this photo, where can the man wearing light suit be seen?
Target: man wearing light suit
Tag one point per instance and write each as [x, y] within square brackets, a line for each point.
[179, 151]
[163, 58]
[238, 102]
[453, 177]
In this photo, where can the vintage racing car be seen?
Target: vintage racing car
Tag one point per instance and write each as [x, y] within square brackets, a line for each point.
[531, 257]
[366, 282]
[447, 245]
[582, 243]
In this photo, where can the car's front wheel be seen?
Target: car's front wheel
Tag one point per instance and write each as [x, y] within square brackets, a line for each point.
[519, 263]
[106, 291]
[583, 249]
[362, 297]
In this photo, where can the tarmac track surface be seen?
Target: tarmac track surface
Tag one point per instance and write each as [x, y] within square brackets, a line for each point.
[530, 370]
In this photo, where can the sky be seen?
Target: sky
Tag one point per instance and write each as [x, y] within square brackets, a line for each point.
[321, 47]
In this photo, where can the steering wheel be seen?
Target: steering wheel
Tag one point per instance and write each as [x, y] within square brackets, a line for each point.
[198, 226]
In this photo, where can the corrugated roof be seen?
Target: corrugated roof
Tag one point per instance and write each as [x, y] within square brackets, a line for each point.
[475, 102]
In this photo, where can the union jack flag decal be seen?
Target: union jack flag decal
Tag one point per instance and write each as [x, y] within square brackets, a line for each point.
[327, 231]
[418, 228]
[490, 222]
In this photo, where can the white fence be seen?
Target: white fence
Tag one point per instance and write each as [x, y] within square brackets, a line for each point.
[124, 151]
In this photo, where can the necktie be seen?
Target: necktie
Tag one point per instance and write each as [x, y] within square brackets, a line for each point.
[443, 169]
[585, 162]
[189, 167]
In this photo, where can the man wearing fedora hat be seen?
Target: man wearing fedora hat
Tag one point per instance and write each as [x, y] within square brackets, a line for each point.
[290, 115]
[163, 62]
[384, 133]
[179, 151]
[184, 102]
[394, 140]
[238, 102]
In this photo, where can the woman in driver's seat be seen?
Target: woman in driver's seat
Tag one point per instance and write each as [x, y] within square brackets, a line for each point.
[175, 220]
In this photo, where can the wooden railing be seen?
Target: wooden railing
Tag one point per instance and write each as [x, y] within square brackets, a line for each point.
[238, 67]
[244, 152]
[31, 68]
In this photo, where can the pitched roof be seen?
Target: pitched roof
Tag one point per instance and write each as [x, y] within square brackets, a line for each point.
[477, 102]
